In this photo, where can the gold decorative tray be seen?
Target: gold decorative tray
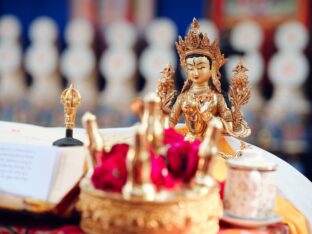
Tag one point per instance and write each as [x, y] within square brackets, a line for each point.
[181, 211]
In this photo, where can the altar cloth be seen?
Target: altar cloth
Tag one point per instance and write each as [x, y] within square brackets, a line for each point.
[74, 229]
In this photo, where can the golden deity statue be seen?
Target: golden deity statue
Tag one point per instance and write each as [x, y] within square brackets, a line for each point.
[201, 98]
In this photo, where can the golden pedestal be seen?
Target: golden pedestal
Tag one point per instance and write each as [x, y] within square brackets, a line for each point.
[182, 211]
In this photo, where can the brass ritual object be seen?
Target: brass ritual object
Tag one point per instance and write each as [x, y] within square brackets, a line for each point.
[152, 118]
[185, 212]
[141, 208]
[207, 150]
[139, 185]
[95, 140]
[71, 99]
[201, 98]
[153, 122]
[148, 136]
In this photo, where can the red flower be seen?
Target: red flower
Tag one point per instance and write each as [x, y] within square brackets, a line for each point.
[177, 156]
[179, 165]
[111, 173]
[120, 149]
[183, 159]
[98, 156]
[192, 161]
[171, 136]
[222, 186]
[160, 175]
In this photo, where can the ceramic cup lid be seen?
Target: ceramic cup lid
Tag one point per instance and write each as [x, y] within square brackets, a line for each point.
[252, 160]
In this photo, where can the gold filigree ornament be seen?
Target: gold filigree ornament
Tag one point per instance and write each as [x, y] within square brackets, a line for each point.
[104, 212]
[71, 99]
[165, 90]
[239, 95]
[243, 146]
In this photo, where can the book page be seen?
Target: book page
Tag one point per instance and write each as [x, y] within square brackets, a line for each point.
[70, 168]
[27, 170]
[31, 134]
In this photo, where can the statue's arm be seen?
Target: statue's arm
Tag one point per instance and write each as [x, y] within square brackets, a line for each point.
[165, 89]
[176, 111]
[223, 111]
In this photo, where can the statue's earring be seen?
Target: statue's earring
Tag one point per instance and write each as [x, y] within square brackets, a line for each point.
[187, 84]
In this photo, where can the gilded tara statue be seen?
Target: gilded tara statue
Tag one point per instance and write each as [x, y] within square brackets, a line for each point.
[201, 98]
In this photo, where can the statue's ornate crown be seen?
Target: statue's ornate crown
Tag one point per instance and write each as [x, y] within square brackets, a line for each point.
[197, 43]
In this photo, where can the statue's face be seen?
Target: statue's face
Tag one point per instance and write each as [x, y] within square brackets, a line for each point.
[198, 69]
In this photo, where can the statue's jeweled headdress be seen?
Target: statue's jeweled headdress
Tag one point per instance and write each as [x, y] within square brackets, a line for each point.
[197, 43]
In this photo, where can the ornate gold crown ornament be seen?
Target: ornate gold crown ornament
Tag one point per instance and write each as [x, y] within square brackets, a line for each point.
[197, 43]
[195, 207]
[187, 212]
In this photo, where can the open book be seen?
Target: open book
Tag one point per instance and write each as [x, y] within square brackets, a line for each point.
[39, 177]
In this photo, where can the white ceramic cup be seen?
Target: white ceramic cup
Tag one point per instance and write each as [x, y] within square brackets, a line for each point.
[250, 188]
